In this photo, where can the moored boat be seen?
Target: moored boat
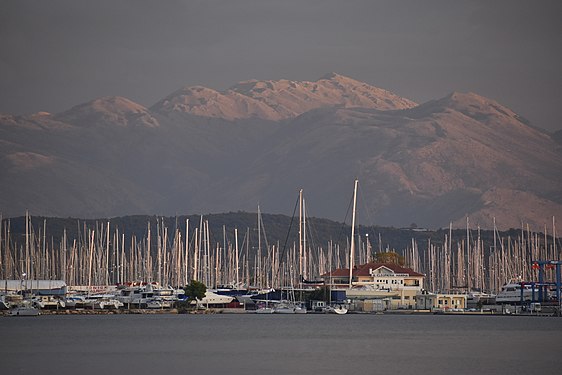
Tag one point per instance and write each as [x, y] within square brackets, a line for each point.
[75, 300]
[264, 307]
[4, 305]
[264, 310]
[48, 302]
[26, 308]
[147, 296]
[284, 307]
[517, 292]
[289, 307]
[336, 309]
[212, 299]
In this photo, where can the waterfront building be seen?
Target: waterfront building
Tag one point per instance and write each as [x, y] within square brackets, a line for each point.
[397, 286]
[37, 287]
[440, 301]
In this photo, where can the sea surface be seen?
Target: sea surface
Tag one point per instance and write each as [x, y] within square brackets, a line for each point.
[280, 344]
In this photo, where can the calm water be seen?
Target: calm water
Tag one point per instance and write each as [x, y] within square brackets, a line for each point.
[280, 344]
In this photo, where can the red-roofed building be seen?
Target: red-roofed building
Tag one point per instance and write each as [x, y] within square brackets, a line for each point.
[396, 284]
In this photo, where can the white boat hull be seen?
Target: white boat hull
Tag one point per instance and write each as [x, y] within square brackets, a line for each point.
[340, 310]
[513, 292]
[264, 310]
[25, 311]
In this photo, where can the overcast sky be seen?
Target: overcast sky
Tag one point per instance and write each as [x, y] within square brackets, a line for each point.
[56, 54]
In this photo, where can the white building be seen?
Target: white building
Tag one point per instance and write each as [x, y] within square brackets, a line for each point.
[396, 285]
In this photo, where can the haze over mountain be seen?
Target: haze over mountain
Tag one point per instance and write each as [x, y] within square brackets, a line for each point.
[199, 151]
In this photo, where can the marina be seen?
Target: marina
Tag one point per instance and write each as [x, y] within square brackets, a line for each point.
[274, 279]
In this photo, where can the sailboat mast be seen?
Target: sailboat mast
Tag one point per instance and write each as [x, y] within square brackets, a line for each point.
[300, 233]
[236, 243]
[186, 257]
[107, 237]
[554, 253]
[304, 247]
[27, 270]
[198, 238]
[352, 247]
[258, 266]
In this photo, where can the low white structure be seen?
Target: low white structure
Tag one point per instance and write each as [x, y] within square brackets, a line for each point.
[440, 301]
[41, 287]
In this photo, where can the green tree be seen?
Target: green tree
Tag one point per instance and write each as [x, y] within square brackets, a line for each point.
[390, 257]
[194, 291]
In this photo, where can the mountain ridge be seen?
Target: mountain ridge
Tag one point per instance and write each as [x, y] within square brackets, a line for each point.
[109, 111]
[280, 99]
[431, 164]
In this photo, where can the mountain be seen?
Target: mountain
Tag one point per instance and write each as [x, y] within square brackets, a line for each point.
[428, 165]
[204, 102]
[109, 111]
[278, 100]
[557, 137]
[203, 151]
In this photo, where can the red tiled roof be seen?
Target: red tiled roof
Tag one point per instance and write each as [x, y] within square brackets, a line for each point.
[338, 273]
[363, 270]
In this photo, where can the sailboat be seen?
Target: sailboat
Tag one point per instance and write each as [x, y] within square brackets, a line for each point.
[25, 307]
[290, 305]
[340, 308]
[265, 308]
[334, 308]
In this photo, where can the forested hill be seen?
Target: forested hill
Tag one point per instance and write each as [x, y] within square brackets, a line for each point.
[278, 230]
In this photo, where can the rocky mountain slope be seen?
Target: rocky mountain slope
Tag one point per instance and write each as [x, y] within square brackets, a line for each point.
[278, 100]
[200, 150]
[558, 137]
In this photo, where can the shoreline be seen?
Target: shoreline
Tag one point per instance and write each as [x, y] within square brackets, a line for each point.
[175, 311]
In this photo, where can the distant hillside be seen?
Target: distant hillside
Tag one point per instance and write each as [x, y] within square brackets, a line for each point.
[277, 230]
[260, 142]
[558, 137]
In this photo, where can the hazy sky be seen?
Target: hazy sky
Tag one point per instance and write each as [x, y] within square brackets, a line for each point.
[56, 54]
